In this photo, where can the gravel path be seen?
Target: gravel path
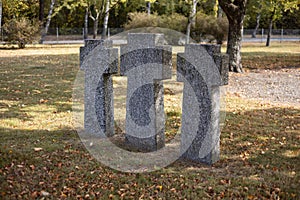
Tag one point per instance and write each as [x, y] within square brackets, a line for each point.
[274, 86]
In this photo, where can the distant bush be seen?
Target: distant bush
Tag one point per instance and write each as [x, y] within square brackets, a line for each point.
[175, 21]
[208, 28]
[140, 20]
[211, 28]
[21, 31]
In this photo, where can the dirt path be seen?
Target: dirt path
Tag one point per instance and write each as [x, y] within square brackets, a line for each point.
[274, 86]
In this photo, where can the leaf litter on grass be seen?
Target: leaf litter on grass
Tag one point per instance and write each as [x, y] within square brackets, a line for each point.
[259, 145]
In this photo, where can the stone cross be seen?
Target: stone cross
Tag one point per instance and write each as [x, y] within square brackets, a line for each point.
[203, 69]
[99, 61]
[146, 62]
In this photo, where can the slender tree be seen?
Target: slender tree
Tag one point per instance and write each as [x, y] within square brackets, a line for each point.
[235, 11]
[105, 22]
[270, 26]
[99, 9]
[149, 8]
[257, 7]
[258, 16]
[86, 23]
[41, 10]
[274, 10]
[95, 8]
[49, 17]
[191, 20]
[0, 18]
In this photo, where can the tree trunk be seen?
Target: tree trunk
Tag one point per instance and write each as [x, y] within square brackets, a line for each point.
[41, 10]
[149, 8]
[86, 23]
[220, 12]
[0, 18]
[235, 12]
[270, 27]
[257, 25]
[105, 22]
[269, 32]
[191, 21]
[48, 21]
[234, 45]
[188, 32]
[95, 31]
[194, 12]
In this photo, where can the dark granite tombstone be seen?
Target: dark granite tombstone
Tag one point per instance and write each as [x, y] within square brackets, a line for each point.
[203, 70]
[146, 62]
[99, 61]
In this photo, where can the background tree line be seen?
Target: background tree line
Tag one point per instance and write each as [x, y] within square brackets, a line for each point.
[71, 13]
[212, 20]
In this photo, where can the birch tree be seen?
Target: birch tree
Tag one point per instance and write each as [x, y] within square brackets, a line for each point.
[191, 20]
[257, 6]
[49, 17]
[105, 22]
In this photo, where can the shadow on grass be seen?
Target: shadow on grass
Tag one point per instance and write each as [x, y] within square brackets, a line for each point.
[259, 147]
[9, 48]
[257, 154]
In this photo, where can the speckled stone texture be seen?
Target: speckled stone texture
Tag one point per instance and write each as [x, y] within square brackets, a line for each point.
[200, 131]
[99, 61]
[146, 62]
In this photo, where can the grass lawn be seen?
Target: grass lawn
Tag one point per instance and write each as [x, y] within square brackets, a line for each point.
[41, 155]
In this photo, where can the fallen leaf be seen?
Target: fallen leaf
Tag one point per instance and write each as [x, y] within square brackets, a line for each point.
[44, 193]
[38, 149]
[159, 187]
[34, 194]
[43, 100]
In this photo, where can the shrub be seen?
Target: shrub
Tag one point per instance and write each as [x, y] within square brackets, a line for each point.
[175, 21]
[140, 20]
[211, 28]
[21, 31]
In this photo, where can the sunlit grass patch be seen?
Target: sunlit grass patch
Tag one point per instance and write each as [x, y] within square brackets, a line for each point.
[278, 55]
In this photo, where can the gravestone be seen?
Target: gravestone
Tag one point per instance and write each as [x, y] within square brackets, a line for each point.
[203, 69]
[146, 62]
[99, 61]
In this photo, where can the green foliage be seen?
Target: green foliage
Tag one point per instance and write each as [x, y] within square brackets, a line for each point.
[19, 8]
[211, 28]
[276, 8]
[21, 31]
[284, 13]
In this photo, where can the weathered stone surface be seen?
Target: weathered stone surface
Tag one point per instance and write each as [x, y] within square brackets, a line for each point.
[145, 61]
[99, 61]
[200, 131]
[222, 61]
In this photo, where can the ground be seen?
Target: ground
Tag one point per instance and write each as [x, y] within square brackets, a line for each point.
[42, 156]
